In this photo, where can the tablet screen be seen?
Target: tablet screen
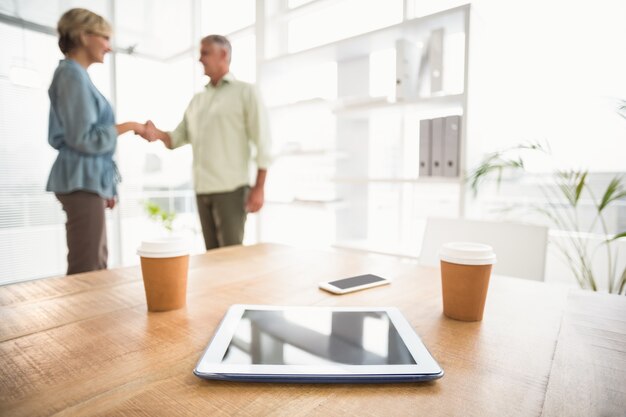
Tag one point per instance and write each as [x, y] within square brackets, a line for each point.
[297, 337]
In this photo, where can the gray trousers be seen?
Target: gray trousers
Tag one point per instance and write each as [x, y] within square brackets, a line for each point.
[86, 231]
[223, 217]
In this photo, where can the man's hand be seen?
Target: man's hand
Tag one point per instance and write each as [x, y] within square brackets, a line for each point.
[109, 203]
[255, 199]
[149, 132]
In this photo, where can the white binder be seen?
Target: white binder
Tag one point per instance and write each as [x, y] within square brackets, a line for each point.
[437, 132]
[435, 59]
[407, 63]
[452, 130]
[425, 148]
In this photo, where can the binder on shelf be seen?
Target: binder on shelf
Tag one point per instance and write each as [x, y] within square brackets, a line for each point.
[430, 72]
[437, 137]
[425, 148]
[452, 129]
[407, 67]
[435, 59]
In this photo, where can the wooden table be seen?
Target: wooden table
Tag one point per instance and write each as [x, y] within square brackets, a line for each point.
[84, 345]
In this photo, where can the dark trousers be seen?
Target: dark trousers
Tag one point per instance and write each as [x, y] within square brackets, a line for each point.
[223, 217]
[86, 231]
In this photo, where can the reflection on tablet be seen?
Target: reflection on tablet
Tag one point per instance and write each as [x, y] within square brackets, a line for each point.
[316, 344]
[296, 337]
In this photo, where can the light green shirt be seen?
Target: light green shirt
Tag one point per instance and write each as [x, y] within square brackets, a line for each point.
[226, 126]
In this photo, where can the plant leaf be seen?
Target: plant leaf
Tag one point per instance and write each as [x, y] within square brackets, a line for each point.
[617, 236]
[580, 186]
[161, 216]
[622, 282]
[614, 191]
[493, 163]
[621, 109]
[566, 188]
[152, 208]
[572, 184]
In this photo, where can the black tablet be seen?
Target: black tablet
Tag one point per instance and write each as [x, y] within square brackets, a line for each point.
[316, 344]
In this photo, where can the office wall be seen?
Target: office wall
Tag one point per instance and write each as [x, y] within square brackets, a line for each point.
[549, 71]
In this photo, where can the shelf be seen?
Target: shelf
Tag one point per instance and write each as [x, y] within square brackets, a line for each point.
[346, 103]
[305, 152]
[364, 106]
[323, 121]
[416, 180]
[451, 104]
[308, 153]
[453, 20]
[315, 101]
[312, 203]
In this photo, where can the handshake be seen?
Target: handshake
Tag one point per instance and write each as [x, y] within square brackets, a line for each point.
[148, 131]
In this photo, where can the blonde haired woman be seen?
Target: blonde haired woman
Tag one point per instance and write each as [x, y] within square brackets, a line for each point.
[82, 128]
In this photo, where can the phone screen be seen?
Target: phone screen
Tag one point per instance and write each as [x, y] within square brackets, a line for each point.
[356, 281]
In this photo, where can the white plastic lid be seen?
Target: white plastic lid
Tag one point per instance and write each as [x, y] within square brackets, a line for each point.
[467, 253]
[166, 247]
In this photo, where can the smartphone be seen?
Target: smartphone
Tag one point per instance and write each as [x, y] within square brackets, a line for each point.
[360, 282]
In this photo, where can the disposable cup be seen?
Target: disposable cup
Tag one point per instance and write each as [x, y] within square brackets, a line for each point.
[465, 272]
[164, 266]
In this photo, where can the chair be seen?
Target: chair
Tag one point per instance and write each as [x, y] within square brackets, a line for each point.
[520, 248]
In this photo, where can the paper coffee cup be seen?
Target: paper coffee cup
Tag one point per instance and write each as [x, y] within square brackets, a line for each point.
[164, 265]
[465, 272]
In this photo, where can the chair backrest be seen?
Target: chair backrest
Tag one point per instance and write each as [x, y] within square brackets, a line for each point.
[520, 248]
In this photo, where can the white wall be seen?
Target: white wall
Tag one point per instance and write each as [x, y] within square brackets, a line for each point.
[549, 70]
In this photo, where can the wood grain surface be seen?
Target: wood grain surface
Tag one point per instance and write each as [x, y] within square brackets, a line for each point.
[588, 375]
[85, 345]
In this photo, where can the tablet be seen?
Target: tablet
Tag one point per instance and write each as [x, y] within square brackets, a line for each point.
[316, 344]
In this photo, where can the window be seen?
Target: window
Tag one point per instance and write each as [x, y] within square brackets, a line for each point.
[32, 224]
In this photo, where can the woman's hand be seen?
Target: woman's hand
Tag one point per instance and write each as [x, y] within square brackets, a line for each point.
[127, 127]
[139, 129]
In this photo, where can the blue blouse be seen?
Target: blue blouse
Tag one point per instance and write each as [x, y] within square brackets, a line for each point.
[82, 129]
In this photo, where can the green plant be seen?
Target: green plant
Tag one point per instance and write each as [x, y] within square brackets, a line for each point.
[562, 192]
[156, 213]
[621, 108]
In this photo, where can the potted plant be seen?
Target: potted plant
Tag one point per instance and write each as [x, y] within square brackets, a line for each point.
[562, 191]
[156, 213]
